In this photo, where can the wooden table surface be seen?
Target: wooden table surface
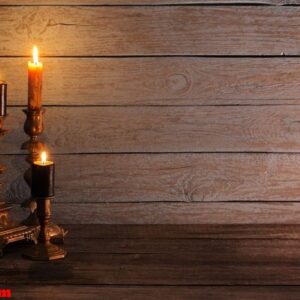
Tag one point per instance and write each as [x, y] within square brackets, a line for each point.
[163, 262]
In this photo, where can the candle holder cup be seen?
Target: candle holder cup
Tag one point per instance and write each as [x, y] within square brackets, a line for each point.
[44, 250]
[33, 127]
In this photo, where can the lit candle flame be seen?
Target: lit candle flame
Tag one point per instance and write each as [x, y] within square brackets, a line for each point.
[44, 157]
[35, 55]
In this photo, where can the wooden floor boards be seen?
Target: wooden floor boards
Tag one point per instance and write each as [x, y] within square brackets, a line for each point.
[163, 262]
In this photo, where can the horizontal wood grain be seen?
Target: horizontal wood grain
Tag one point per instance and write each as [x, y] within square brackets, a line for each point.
[153, 265]
[66, 292]
[144, 2]
[158, 81]
[164, 30]
[214, 264]
[171, 213]
[161, 244]
[69, 292]
[166, 177]
[162, 129]
[94, 68]
[178, 213]
[191, 231]
[188, 246]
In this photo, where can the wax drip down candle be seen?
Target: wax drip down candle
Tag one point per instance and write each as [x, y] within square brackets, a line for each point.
[35, 80]
[43, 172]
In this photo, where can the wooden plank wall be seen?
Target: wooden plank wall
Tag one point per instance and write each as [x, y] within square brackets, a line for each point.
[160, 111]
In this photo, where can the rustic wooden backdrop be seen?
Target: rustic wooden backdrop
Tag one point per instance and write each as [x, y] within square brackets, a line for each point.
[160, 111]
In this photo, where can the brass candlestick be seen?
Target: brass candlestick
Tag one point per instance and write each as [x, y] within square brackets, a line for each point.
[34, 127]
[44, 250]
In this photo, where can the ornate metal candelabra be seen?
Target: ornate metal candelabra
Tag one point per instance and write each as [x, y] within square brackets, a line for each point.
[36, 226]
[34, 127]
[10, 231]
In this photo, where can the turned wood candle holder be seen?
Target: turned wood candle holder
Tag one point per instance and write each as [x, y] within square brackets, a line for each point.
[34, 127]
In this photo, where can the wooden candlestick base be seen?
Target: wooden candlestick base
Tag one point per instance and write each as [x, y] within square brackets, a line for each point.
[44, 250]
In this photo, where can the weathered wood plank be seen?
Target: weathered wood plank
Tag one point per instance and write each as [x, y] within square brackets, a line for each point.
[174, 129]
[164, 30]
[160, 243]
[215, 265]
[165, 246]
[154, 261]
[167, 231]
[159, 81]
[66, 292]
[145, 2]
[165, 177]
[172, 213]
[214, 262]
